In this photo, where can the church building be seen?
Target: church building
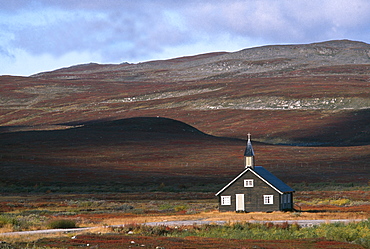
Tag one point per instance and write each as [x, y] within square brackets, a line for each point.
[255, 189]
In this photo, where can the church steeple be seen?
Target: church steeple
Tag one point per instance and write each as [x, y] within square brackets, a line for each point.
[249, 154]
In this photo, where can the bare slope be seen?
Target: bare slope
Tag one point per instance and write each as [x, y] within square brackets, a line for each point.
[159, 154]
[129, 152]
[305, 95]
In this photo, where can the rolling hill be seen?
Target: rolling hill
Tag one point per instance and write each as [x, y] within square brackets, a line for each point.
[182, 121]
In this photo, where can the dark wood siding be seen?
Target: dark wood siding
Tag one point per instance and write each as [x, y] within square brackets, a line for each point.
[253, 196]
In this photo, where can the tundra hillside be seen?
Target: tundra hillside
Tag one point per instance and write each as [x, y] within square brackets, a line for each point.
[306, 106]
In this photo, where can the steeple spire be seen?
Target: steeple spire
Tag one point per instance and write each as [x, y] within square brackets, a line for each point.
[249, 154]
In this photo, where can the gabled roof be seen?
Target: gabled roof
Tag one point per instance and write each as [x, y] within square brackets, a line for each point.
[276, 182]
[265, 176]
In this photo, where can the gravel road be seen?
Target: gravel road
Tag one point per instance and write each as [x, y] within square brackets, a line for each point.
[302, 223]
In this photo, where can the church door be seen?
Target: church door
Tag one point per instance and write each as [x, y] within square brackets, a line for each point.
[239, 202]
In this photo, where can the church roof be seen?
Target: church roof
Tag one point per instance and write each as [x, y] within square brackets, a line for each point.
[273, 180]
[249, 149]
[265, 176]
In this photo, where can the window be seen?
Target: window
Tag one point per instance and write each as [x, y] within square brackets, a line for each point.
[225, 200]
[248, 161]
[248, 183]
[268, 199]
[286, 198]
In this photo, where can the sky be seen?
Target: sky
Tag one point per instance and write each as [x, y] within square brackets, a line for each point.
[44, 35]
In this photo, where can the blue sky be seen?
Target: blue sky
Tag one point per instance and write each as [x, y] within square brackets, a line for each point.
[43, 35]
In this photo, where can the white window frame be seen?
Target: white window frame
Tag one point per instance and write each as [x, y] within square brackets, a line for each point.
[248, 183]
[268, 199]
[226, 200]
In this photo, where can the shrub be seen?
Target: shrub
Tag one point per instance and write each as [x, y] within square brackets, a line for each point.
[124, 207]
[155, 230]
[166, 207]
[365, 241]
[340, 202]
[180, 208]
[21, 222]
[61, 224]
[6, 219]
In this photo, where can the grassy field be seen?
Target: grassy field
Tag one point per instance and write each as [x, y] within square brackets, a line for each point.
[35, 212]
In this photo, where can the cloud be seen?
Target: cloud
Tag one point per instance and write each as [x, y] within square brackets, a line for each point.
[115, 33]
[23, 63]
[283, 21]
[125, 30]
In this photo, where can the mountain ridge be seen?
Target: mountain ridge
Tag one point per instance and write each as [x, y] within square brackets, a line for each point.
[264, 59]
[88, 92]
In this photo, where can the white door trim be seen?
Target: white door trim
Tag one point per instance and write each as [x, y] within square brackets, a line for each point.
[239, 204]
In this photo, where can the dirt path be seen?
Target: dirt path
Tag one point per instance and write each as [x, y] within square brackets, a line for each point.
[302, 223]
[48, 231]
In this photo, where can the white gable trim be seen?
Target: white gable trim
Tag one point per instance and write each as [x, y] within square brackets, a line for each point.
[241, 174]
[236, 178]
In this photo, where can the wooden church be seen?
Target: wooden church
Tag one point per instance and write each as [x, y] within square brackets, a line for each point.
[255, 189]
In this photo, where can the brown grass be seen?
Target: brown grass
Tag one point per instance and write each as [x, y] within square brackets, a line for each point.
[238, 217]
[149, 204]
[98, 210]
